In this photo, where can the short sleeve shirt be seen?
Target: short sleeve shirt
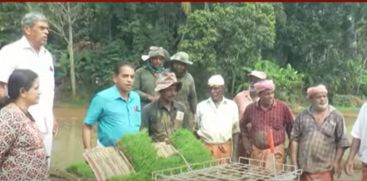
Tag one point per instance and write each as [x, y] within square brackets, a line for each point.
[115, 116]
[20, 55]
[216, 124]
[317, 144]
[161, 123]
[359, 131]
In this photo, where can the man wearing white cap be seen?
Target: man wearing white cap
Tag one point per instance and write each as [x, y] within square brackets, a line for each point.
[217, 121]
[246, 97]
[318, 138]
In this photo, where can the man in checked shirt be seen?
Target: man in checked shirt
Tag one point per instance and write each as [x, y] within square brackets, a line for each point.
[318, 138]
[259, 117]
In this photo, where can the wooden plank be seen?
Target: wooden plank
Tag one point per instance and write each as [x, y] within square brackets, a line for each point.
[107, 162]
[164, 150]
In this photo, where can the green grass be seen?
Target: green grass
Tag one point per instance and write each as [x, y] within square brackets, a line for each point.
[347, 109]
[81, 169]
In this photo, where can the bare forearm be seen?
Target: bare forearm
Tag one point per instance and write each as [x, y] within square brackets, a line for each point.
[235, 138]
[354, 148]
[293, 152]
[339, 154]
[86, 136]
[2, 89]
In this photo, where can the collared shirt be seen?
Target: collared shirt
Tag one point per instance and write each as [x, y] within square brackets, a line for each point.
[187, 94]
[359, 132]
[161, 123]
[20, 55]
[317, 145]
[216, 124]
[278, 118]
[22, 152]
[115, 115]
[242, 99]
[144, 83]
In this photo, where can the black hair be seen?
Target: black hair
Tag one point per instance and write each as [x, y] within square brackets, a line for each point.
[116, 70]
[20, 80]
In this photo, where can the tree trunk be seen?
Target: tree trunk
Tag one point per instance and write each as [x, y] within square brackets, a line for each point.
[71, 53]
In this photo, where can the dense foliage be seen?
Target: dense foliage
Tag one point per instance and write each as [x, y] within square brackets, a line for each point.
[312, 42]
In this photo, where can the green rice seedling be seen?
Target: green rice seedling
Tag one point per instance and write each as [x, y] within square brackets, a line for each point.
[135, 176]
[190, 147]
[80, 169]
[140, 151]
[143, 156]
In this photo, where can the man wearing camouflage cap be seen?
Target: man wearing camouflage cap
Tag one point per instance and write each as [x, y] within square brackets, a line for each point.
[165, 115]
[146, 76]
[187, 94]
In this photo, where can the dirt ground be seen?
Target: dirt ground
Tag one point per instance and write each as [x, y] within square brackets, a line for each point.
[68, 146]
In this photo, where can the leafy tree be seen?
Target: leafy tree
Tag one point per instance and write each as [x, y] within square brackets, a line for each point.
[229, 36]
[10, 21]
[317, 41]
[288, 81]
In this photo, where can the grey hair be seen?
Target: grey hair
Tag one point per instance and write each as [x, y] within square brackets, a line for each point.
[31, 18]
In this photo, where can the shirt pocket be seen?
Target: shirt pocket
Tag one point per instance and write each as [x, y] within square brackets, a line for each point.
[155, 124]
[277, 125]
[328, 129]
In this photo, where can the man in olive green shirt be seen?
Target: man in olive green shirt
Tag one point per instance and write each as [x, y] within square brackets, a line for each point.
[187, 94]
[146, 76]
[165, 115]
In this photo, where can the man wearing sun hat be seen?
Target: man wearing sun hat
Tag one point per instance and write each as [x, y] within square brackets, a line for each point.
[217, 121]
[146, 76]
[165, 115]
[264, 116]
[187, 94]
[318, 138]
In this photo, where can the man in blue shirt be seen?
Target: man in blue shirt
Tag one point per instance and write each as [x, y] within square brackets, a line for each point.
[116, 109]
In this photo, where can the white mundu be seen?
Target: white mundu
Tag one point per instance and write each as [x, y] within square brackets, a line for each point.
[359, 132]
[20, 55]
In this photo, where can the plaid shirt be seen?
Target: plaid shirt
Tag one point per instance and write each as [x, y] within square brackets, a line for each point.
[160, 122]
[279, 118]
[317, 145]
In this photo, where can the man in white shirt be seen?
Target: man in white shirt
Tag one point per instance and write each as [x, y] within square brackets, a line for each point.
[29, 53]
[217, 121]
[359, 143]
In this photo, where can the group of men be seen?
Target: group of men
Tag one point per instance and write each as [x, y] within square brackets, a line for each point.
[164, 99]
[228, 128]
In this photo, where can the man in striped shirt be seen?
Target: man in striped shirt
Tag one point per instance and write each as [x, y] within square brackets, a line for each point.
[262, 115]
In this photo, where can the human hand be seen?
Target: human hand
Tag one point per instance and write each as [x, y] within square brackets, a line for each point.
[336, 169]
[349, 167]
[55, 128]
[153, 98]
[247, 146]
[86, 150]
